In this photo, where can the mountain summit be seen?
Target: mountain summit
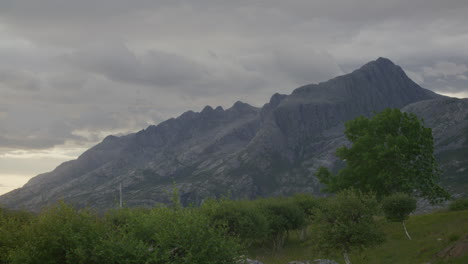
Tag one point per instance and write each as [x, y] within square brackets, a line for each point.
[242, 151]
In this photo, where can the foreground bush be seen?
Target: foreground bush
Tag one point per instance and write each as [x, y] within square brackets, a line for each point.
[11, 225]
[397, 208]
[241, 219]
[346, 223]
[64, 235]
[458, 205]
[309, 206]
[58, 235]
[283, 216]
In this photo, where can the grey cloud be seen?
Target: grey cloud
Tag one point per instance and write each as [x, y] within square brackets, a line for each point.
[154, 68]
[19, 80]
[445, 69]
[447, 75]
[118, 65]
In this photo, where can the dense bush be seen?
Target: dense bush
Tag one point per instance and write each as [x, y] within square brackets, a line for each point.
[11, 226]
[397, 207]
[459, 204]
[309, 206]
[283, 215]
[346, 223]
[239, 218]
[64, 235]
[58, 235]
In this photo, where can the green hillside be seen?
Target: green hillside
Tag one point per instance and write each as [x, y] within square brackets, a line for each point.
[431, 234]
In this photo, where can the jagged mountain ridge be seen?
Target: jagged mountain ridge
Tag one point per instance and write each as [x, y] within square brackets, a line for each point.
[243, 151]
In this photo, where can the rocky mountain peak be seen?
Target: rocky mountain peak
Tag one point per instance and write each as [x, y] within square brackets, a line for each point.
[243, 150]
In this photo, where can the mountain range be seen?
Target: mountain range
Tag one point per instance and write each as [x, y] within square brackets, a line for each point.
[248, 152]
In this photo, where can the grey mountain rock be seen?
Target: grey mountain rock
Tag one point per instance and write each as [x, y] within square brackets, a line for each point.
[243, 151]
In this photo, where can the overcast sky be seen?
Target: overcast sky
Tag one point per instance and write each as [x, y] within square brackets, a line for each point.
[72, 72]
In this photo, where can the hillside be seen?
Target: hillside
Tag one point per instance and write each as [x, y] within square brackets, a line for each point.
[246, 151]
[432, 233]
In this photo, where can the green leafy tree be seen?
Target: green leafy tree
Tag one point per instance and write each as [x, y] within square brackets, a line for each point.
[346, 223]
[61, 235]
[239, 218]
[12, 224]
[390, 152]
[309, 206]
[397, 208]
[283, 216]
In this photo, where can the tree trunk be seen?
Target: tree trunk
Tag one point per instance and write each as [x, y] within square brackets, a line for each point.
[406, 231]
[346, 258]
[303, 233]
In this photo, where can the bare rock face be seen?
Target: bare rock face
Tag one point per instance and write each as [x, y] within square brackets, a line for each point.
[243, 151]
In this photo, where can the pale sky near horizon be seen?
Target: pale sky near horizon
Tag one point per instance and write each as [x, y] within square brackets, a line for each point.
[72, 72]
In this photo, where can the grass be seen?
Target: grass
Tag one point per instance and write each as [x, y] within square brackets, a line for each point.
[431, 233]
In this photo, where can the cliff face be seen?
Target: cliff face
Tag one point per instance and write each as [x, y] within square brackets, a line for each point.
[242, 151]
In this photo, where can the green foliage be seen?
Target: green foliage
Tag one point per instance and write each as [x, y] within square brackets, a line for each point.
[11, 228]
[64, 235]
[459, 204]
[308, 204]
[239, 218]
[58, 235]
[432, 233]
[346, 223]
[397, 207]
[283, 215]
[185, 236]
[391, 152]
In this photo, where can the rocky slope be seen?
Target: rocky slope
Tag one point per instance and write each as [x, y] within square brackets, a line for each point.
[242, 151]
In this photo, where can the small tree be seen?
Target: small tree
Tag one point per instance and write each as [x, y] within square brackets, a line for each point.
[309, 206]
[283, 215]
[397, 208]
[346, 223]
[238, 218]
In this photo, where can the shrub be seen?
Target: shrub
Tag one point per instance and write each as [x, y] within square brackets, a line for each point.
[58, 235]
[185, 236]
[239, 218]
[309, 206]
[397, 208]
[283, 215]
[459, 205]
[12, 224]
[346, 223]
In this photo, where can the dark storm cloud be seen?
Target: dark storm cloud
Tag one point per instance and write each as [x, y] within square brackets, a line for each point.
[72, 71]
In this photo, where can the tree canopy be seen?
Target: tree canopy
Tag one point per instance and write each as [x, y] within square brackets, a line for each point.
[390, 152]
[347, 223]
[397, 208]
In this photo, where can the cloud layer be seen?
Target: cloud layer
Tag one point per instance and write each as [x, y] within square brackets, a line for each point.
[73, 71]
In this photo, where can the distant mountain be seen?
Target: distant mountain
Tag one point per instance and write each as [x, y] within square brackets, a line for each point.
[244, 151]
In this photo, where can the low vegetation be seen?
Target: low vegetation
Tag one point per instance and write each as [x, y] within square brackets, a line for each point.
[348, 226]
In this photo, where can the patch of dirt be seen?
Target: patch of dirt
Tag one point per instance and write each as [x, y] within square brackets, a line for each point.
[459, 249]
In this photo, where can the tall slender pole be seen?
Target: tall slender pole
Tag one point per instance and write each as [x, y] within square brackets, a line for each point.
[120, 195]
